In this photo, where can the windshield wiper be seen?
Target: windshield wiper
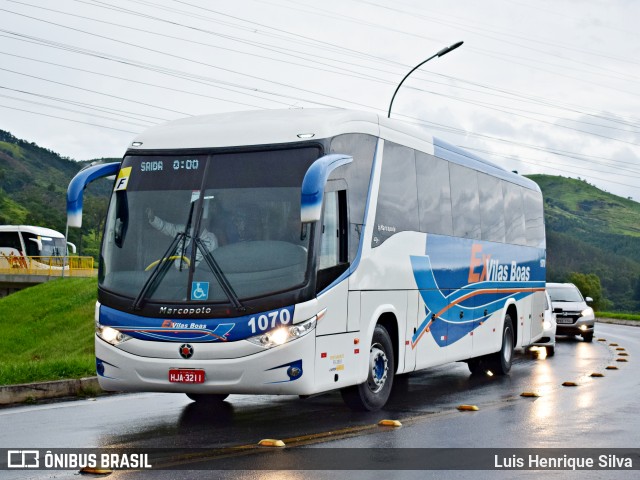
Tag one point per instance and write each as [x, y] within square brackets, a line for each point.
[162, 267]
[159, 271]
[220, 276]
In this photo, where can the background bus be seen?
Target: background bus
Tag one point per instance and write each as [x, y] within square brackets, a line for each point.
[303, 251]
[27, 246]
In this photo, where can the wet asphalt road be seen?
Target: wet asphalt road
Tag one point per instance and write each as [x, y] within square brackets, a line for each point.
[598, 413]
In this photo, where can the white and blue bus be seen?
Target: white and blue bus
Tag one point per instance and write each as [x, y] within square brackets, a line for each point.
[305, 251]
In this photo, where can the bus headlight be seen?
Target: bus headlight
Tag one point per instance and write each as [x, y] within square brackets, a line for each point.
[546, 325]
[111, 335]
[284, 334]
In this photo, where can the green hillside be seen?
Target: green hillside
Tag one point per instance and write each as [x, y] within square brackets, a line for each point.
[46, 331]
[592, 231]
[33, 186]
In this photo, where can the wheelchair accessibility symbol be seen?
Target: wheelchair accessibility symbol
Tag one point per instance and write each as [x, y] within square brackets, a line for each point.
[199, 290]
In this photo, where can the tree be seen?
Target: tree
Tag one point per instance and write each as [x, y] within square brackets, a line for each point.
[589, 285]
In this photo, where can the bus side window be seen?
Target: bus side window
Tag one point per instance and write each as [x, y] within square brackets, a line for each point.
[333, 242]
[533, 217]
[491, 208]
[434, 194]
[465, 202]
[31, 245]
[10, 240]
[397, 209]
[514, 214]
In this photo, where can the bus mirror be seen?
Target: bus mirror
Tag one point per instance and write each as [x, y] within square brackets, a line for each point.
[588, 299]
[38, 242]
[72, 246]
[77, 185]
[314, 182]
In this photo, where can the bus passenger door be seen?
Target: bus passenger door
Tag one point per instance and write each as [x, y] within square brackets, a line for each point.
[332, 263]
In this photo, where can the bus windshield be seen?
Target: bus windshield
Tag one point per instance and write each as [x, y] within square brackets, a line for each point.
[53, 249]
[213, 228]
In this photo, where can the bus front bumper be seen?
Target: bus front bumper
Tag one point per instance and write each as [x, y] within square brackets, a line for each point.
[283, 370]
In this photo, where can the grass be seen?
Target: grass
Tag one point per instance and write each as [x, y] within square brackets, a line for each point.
[46, 332]
[619, 316]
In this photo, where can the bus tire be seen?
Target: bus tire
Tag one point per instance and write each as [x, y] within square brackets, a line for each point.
[211, 399]
[500, 362]
[373, 394]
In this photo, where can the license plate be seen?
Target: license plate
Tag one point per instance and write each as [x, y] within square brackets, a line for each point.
[184, 375]
[564, 320]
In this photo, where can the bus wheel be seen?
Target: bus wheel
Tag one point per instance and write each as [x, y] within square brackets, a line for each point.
[373, 394]
[500, 362]
[212, 399]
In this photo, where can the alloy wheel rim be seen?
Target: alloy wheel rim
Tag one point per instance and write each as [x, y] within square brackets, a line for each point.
[378, 368]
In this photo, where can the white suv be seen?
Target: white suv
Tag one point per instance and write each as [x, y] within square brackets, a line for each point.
[573, 315]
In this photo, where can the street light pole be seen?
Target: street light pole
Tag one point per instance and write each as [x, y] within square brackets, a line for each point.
[442, 52]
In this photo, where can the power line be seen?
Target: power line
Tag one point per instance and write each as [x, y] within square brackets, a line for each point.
[278, 49]
[71, 110]
[342, 100]
[125, 79]
[313, 66]
[67, 119]
[538, 162]
[558, 169]
[99, 108]
[93, 91]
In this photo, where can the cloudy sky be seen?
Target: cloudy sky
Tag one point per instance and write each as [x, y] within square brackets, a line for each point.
[539, 86]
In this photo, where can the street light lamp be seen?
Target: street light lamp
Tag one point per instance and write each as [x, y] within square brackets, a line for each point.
[442, 52]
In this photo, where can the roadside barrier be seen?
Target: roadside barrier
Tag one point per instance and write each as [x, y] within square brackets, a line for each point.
[71, 266]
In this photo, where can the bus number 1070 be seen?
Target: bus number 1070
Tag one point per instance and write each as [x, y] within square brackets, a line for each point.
[270, 320]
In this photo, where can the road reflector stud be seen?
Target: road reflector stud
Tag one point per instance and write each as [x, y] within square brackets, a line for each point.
[621, 360]
[613, 344]
[623, 354]
[602, 339]
[389, 423]
[95, 471]
[529, 394]
[569, 384]
[612, 367]
[468, 408]
[270, 442]
[597, 375]
[620, 349]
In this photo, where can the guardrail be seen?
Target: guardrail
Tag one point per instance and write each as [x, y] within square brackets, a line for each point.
[47, 266]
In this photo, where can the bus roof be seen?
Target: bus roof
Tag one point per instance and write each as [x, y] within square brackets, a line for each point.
[264, 127]
[42, 231]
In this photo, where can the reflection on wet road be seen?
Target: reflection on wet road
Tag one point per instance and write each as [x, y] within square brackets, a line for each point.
[598, 412]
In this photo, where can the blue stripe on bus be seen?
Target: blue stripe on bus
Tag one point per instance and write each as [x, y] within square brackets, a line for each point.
[196, 330]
